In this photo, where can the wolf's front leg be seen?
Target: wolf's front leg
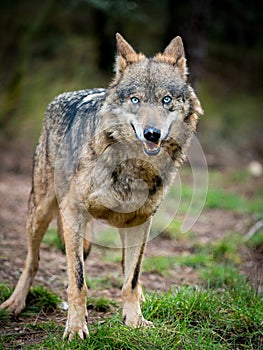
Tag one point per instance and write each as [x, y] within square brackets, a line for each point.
[77, 289]
[134, 242]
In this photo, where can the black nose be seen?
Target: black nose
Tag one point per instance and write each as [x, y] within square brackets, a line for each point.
[152, 134]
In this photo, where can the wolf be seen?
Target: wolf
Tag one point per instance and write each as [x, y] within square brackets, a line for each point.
[111, 155]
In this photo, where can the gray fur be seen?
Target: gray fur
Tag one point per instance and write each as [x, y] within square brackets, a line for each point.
[95, 159]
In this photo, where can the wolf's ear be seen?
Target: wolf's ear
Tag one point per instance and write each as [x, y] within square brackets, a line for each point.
[125, 55]
[174, 54]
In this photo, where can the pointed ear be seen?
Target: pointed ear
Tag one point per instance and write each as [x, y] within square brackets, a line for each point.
[125, 55]
[175, 50]
[174, 54]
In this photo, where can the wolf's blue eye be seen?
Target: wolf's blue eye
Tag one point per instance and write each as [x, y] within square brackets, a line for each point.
[166, 100]
[135, 100]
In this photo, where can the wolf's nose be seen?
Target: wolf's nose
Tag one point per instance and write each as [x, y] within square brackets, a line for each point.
[152, 134]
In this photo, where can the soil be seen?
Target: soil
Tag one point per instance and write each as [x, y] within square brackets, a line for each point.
[15, 183]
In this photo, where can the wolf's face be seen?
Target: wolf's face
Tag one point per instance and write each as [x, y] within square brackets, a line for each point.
[152, 96]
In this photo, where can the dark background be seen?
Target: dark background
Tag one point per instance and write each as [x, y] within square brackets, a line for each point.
[47, 47]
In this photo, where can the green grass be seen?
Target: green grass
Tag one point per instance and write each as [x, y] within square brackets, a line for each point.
[185, 319]
[97, 283]
[106, 236]
[101, 304]
[256, 205]
[101, 283]
[173, 231]
[38, 298]
[218, 195]
[159, 264]
[52, 239]
[218, 198]
[220, 275]
[221, 199]
[256, 240]
[226, 249]
[216, 264]
[163, 265]
[220, 261]
[5, 292]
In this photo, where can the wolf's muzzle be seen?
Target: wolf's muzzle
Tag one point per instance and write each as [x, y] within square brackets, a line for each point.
[152, 134]
[150, 138]
[152, 145]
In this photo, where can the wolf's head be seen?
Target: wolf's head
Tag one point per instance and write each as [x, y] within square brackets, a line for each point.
[152, 97]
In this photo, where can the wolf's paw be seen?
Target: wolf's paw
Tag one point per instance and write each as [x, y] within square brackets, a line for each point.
[13, 305]
[136, 321]
[70, 331]
[145, 323]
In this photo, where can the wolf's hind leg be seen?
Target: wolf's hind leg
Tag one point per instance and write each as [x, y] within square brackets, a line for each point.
[134, 242]
[41, 207]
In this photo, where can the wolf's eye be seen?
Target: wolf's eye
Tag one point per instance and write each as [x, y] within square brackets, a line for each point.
[135, 100]
[166, 100]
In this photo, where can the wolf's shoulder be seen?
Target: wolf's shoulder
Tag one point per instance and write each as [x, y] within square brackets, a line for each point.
[64, 108]
[78, 98]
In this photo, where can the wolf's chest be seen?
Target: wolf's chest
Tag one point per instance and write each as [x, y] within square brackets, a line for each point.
[125, 198]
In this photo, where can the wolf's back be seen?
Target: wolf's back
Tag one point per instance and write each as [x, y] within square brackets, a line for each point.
[71, 118]
[72, 107]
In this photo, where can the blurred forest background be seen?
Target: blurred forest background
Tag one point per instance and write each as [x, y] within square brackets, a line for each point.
[51, 46]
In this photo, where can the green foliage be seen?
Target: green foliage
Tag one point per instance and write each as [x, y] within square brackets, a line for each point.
[173, 231]
[196, 260]
[159, 264]
[108, 237]
[256, 205]
[4, 317]
[164, 264]
[97, 283]
[100, 304]
[40, 298]
[183, 319]
[227, 249]
[220, 275]
[256, 240]
[216, 263]
[239, 176]
[52, 239]
[218, 198]
[221, 265]
[5, 292]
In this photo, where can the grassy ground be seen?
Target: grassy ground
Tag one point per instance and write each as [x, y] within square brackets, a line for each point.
[223, 310]
[188, 318]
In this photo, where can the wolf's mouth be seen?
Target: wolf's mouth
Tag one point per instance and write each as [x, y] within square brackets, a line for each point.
[151, 148]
